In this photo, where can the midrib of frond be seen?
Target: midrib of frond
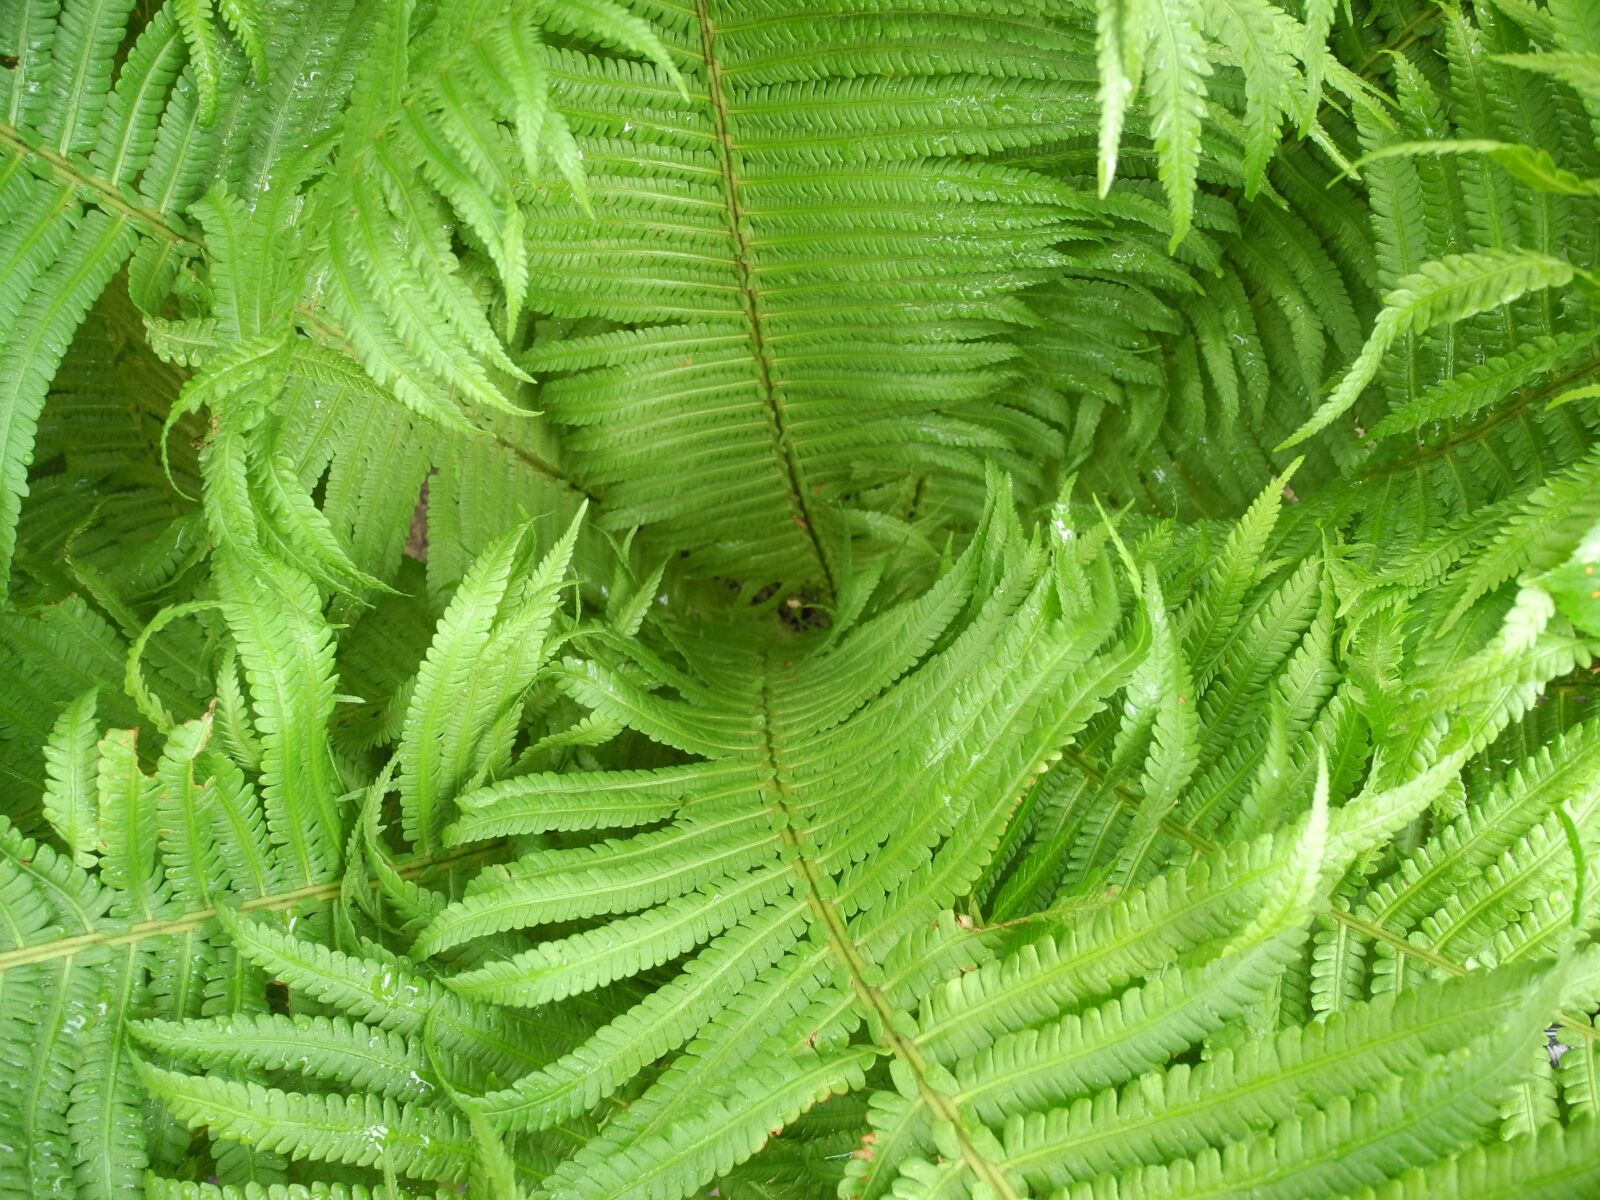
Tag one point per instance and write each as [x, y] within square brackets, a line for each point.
[1480, 431]
[750, 297]
[141, 931]
[106, 194]
[845, 950]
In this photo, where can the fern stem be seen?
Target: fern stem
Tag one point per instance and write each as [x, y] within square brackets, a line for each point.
[107, 195]
[848, 953]
[1483, 429]
[743, 254]
[276, 902]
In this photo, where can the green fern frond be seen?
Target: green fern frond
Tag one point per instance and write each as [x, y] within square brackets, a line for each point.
[1449, 290]
[627, 599]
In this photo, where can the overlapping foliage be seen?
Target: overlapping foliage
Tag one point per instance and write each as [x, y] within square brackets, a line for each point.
[799, 599]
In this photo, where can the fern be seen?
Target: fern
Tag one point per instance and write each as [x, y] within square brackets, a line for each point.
[641, 599]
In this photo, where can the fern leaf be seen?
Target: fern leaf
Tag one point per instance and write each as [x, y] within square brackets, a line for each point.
[1177, 65]
[359, 1130]
[730, 1132]
[1447, 290]
[1558, 1163]
[1191, 1107]
[490, 644]
[70, 802]
[383, 993]
[284, 646]
[333, 1049]
[1121, 60]
[1479, 386]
